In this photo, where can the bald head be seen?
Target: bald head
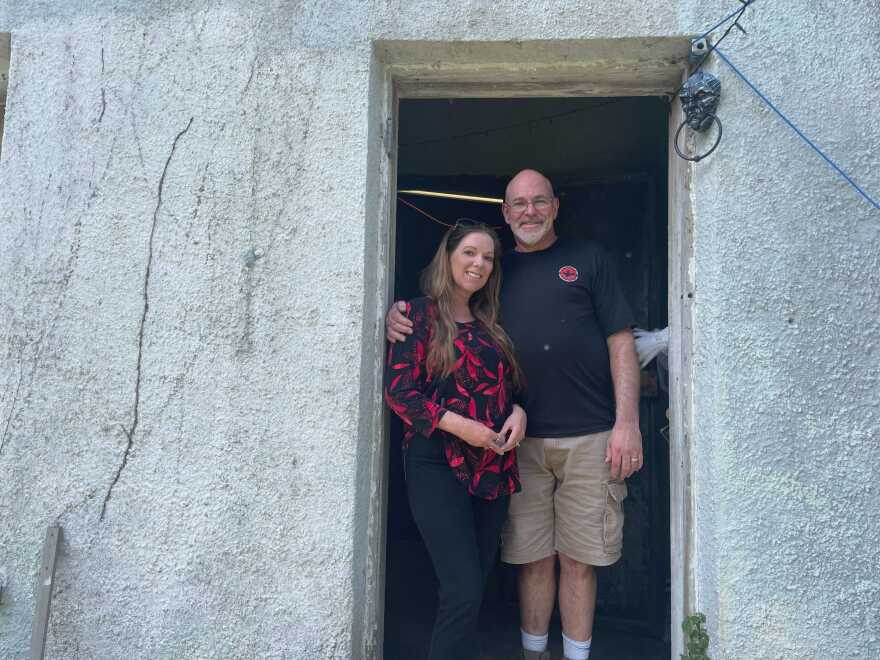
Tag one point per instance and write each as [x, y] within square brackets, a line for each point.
[530, 209]
[531, 179]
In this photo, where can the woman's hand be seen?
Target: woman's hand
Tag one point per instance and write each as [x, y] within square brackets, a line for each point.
[514, 429]
[471, 431]
[479, 435]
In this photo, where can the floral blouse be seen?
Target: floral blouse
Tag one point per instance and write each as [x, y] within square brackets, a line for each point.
[480, 388]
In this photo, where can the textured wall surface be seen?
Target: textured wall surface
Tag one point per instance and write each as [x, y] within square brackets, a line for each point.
[191, 271]
[183, 219]
[787, 344]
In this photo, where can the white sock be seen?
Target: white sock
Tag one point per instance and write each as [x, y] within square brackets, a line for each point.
[534, 642]
[572, 649]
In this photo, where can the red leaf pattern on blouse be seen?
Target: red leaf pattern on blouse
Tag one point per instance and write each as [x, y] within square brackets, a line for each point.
[472, 390]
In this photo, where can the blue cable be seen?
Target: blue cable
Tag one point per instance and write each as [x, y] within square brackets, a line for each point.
[795, 128]
[766, 100]
[722, 21]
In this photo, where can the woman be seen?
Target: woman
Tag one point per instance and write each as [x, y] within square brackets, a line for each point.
[451, 382]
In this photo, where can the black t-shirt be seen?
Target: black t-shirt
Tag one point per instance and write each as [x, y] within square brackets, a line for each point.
[559, 305]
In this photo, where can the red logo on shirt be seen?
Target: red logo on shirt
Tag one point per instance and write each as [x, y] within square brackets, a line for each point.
[568, 273]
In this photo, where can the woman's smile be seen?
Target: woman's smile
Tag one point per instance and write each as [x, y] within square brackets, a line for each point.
[472, 262]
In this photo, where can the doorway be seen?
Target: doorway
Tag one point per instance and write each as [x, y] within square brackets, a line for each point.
[607, 159]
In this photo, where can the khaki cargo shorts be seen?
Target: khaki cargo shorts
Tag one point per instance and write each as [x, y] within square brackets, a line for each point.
[568, 503]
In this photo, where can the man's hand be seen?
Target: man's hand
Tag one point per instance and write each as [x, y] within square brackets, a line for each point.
[624, 450]
[397, 326]
[625, 442]
[515, 424]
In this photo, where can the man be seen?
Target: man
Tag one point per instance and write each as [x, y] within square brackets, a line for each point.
[571, 328]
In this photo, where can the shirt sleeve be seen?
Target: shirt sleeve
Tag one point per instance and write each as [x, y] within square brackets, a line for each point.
[612, 309]
[406, 377]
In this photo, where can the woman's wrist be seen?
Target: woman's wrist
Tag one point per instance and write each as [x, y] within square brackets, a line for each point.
[453, 423]
[469, 430]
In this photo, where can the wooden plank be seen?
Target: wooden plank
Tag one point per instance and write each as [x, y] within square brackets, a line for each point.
[420, 89]
[45, 582]
[379, 511]
[680, 351]
[5, 43]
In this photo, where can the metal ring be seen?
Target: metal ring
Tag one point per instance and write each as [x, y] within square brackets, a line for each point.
[697, 159]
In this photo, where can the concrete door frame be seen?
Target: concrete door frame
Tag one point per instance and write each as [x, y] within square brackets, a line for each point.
[620, 67]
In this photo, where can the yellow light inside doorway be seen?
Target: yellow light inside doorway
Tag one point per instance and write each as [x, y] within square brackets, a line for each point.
[466, 198]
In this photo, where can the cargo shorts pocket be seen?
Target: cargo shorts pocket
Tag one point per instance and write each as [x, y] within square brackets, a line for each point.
[612, 524]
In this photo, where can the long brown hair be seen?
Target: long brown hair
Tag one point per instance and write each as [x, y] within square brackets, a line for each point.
[437, 284]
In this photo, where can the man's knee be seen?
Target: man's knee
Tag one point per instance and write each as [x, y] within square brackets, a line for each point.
[539, 568]
[573, 567]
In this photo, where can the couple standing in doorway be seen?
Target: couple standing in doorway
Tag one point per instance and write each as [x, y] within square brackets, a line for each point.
[520, 403]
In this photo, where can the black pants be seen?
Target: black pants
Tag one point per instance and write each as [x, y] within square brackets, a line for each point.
[461, 533]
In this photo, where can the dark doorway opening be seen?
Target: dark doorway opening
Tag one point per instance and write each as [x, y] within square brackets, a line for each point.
[607, 159]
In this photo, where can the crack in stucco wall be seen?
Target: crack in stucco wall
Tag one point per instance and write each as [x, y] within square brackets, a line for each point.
[129, 433]
[12, 406]
[103, 92]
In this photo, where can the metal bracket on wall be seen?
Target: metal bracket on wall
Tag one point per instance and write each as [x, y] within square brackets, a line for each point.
[699, 48]
[45, 582]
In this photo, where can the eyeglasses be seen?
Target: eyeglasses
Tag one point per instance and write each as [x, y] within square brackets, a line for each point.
[520, 206]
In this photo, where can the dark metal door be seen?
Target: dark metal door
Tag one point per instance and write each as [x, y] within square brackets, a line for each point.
[626, 214]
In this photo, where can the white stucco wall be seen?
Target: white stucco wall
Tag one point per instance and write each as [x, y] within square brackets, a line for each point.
[234, 151]
[786, 365]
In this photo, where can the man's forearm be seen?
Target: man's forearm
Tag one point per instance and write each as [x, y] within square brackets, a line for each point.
[625, 375]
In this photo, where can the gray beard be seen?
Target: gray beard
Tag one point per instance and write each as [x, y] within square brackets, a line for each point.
[532, 240]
